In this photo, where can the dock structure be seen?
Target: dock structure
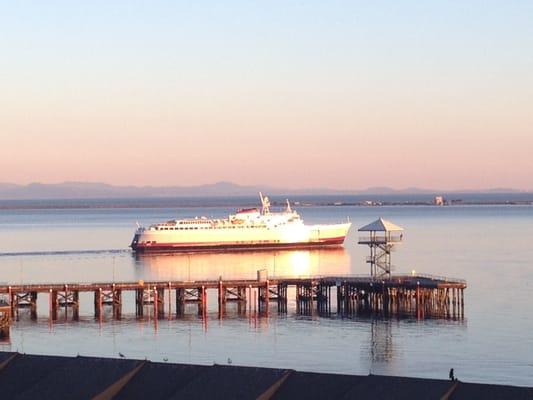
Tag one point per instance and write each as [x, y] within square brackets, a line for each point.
[423, 296]
[5, 319]
[381, 237]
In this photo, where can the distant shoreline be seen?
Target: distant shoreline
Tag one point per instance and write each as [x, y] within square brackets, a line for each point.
[237, 202]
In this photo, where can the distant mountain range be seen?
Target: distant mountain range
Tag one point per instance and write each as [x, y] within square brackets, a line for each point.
[88, 190]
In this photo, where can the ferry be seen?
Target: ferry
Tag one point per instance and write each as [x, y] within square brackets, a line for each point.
[247, 229]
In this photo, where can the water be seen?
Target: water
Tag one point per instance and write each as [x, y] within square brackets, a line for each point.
[489, 246]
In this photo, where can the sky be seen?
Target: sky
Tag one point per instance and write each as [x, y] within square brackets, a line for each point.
[339, 94]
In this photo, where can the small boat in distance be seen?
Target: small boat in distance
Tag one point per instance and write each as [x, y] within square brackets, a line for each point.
[246, 229]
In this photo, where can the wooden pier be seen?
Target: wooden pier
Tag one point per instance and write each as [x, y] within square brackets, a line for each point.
[422, 296]
[5, 319]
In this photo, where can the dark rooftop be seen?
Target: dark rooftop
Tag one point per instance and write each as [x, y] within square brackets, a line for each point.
[52, 377]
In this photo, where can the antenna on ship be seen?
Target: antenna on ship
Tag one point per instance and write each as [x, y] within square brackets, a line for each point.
[265, 202]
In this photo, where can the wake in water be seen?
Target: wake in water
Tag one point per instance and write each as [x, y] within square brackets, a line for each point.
[64, 252]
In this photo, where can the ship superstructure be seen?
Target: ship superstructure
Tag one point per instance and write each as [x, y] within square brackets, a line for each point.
[246, 229]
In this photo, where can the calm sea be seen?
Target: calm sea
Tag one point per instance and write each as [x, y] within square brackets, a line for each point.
[489, 246]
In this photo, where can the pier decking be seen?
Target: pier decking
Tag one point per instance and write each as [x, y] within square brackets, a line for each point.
[423, 296]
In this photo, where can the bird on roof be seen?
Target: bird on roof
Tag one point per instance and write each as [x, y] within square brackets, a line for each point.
[165, 359]
[229, 360]
[121, 355]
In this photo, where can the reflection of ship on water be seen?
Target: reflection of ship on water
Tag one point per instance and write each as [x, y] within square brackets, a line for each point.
[195, 266]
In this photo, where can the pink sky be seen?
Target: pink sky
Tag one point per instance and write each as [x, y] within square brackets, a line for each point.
[427, 104]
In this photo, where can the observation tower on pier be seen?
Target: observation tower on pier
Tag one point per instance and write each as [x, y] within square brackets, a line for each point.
[382, 236]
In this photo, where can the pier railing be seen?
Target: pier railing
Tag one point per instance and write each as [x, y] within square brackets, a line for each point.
[88, 286]
[380, 239]
[438, 278]
[367, 278]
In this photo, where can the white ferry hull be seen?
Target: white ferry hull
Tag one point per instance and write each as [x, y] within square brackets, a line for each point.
[244, 238]
[247, 229]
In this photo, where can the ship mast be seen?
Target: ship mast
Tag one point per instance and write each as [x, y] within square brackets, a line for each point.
[265, 203]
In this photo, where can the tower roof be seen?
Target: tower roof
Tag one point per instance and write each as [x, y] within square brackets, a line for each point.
[380, 225]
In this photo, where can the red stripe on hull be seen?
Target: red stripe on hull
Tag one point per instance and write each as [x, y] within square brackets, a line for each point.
[235, 246]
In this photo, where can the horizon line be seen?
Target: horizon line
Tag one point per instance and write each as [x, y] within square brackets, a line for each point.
[280, 188]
